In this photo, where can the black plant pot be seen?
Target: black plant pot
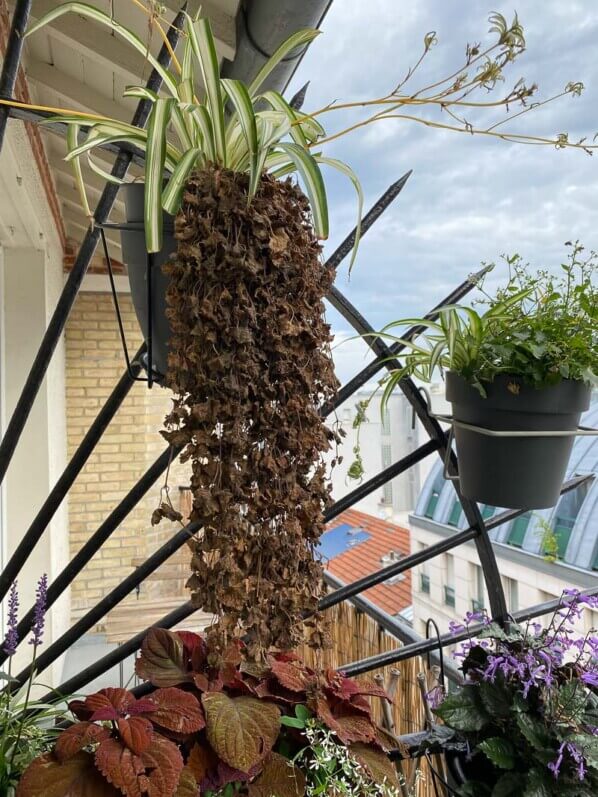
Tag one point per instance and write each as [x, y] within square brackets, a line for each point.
[135, 257]
[515, 472]
[462, 769]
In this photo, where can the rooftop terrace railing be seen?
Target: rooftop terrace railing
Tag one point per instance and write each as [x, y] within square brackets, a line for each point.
[387, 357]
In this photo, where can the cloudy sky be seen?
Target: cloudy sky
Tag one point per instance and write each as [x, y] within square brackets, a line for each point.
[469, 199]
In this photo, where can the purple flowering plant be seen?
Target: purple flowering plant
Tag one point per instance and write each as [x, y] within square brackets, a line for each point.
[528, 707]
[24, 734]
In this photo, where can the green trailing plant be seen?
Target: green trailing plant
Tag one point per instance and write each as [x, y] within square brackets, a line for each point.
[220, 726]
[549, 541]
[528, 708]
[539, 327]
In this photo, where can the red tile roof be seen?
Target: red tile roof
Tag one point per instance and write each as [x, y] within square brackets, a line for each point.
[365, 558]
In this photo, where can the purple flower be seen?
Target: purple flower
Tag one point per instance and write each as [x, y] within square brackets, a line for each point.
[590, 678]
[576, 755]
[12, 639]
[39, 611]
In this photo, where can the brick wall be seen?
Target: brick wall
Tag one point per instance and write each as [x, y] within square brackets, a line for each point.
[130, 444]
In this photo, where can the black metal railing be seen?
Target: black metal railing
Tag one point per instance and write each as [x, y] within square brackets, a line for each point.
[386, 358]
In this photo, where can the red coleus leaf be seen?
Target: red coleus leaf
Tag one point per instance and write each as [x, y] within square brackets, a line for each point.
[109, 704]
[80, 710]
[143, 706]
[162, 659]
[191, 641]
[155, 772]
[280, 777]
[76, 777]
[291, 675]
[177, 710]
[356, 728]
[377, 764]
[76, 737]
[136, 733]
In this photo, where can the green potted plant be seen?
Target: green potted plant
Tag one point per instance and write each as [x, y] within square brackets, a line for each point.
[528, 709]
[525, 362]
[220, 726]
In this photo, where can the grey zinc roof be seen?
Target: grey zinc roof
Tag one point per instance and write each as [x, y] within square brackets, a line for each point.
[581, 504]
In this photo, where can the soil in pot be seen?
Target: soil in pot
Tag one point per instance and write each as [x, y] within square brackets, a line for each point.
[515, 472]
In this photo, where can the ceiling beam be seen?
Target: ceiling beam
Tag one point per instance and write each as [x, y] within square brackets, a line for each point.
[94, 41]
[73, 91]
[224, 26]
[63, 174]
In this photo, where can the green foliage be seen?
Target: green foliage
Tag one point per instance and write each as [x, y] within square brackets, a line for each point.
[538, 327]
[549, 542]
[185, 134]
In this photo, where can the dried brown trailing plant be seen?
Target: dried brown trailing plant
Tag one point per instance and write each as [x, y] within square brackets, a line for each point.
[249, 365]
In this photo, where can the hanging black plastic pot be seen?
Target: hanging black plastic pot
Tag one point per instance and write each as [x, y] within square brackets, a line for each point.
[135, 258]
[514, 472]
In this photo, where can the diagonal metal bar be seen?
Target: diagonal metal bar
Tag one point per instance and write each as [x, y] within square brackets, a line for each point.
[365, 489]
[341, 593]
[99, 667]
[59, 646]
[73, 283]
[64, 483]
[370, 370]
[424, 646]
[95, 542]
[419, 557]
[12, 59]
[496, 595]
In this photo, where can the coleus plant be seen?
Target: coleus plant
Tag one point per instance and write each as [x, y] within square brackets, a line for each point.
[211, 725]
[528, 709]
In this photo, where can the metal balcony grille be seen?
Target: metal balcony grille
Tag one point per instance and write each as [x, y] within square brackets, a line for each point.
[387, 357]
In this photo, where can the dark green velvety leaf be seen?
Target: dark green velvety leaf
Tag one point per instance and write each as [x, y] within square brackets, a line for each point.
[500, 751]
[534, 731]
[463, 710]
[509, 785]
[496, 698]
[538, 784]
[474, 788]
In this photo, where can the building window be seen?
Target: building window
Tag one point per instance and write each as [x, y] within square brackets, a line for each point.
[449, 585]
[512, 594]
[386, 421]
[478, 601]
[455, 515]
[487, 511]
[518, 529]
[424, 583]
[386, 462]
[565, 516]
[437, 486]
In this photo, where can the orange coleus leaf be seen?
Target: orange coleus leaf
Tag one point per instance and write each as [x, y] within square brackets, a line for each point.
[242, 730]
[78, 736]
[377, 764]
[162, 659]
[156, 771]
[355, 728]
[187, 786]
[136, 733]
[202, 761]
[76, 777]
[280, 777]
[177, 710]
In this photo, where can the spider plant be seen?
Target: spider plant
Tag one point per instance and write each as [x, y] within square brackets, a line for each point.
[224, 128]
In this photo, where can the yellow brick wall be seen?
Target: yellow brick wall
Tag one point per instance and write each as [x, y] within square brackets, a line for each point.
[131, 443]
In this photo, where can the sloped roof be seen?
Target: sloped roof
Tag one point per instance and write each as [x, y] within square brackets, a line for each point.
[366, 557]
